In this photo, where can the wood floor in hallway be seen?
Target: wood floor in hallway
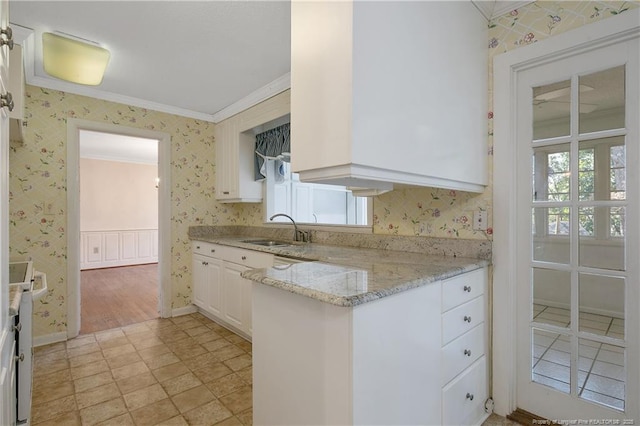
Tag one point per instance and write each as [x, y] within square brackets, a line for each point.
[116, 297]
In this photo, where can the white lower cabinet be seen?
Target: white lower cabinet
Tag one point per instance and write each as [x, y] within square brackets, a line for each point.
[409, 358]
[218, 289]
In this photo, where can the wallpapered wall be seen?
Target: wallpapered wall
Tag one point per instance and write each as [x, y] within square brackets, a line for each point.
[38, 170]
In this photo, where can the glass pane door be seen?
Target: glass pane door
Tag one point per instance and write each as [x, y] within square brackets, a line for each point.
[577, 269]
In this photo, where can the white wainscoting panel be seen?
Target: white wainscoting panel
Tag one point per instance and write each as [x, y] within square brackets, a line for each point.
[104, 249]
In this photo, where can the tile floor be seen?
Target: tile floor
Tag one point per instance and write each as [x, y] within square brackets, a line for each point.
[178, 371]
[601, 373]
[186, 370]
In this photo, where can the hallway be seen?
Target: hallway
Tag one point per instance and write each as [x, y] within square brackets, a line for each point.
[117, 297]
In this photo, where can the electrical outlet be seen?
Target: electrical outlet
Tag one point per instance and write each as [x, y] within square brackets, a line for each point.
[480, 220]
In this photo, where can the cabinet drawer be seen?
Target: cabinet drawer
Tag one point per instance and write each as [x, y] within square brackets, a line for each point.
[463, 399]
[462, 288]
[462, 352]
[462, 319]
[248, 258]
[207, 249]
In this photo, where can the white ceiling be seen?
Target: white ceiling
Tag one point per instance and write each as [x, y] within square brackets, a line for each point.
[192, 58]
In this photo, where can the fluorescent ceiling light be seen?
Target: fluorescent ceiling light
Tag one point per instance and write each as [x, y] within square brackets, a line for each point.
[74, 60]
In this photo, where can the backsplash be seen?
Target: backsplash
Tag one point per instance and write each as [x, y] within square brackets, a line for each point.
[38, 171]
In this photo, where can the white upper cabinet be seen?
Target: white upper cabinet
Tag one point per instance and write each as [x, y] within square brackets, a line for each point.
[235, 150]
[389, 92]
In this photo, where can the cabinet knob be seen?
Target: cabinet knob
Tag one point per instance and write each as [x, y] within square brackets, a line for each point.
[467, 318]
[467, 352]
[469, 396]
[467, 288]
[213, 250]
[6, 42]
[8, 31]
[198, 247]
[6, 100]
[17, 328]
[244, 257]
[225, 192]
[19, 358]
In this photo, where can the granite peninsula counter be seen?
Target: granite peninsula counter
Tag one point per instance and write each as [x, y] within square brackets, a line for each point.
[350, 276]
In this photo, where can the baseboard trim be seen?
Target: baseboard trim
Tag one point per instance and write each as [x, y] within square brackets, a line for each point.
[524, 417]
[186, 310]
[47, 339]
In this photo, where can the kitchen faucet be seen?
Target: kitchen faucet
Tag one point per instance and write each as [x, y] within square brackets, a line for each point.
[297, 235]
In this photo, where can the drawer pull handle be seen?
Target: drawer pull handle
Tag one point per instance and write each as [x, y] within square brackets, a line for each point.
[198, 247]
[244, 257]
[205, 263]
[225, 192]
[467, 352]
[469, 396]
[467, 318]
[467, 288]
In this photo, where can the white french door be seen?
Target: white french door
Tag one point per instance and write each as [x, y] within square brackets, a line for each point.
[578, 234]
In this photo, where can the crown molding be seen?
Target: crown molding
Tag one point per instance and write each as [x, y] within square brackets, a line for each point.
[278, 85]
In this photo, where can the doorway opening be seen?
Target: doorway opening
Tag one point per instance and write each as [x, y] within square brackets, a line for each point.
[112, 227]
[118, 230]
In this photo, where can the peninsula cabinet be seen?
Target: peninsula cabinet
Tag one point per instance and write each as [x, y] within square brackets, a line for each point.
[415, 357]
[235, 149]
[386, 93]
[219, 291]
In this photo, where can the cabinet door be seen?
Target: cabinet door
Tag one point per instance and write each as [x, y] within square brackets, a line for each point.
[200, 274]
[214, 287]
[235, 309]
[226, 162]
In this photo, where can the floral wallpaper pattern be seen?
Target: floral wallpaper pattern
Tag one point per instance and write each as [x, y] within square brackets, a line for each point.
[38, 170]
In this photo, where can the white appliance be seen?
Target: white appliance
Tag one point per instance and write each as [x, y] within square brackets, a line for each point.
[23, 275]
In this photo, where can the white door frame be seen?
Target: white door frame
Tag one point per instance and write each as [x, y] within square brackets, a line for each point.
[73, 214]
[505, 244]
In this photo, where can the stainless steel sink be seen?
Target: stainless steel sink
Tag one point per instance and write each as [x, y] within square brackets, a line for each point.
[267, 243]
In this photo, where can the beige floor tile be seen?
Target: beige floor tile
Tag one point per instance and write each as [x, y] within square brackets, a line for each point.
[238, 401]
[246, 417]
[208, 414]
[182, 319]
[118, 350]
[209, 336]
[228, 352]
[84, 349]
[170, 371]
[147, 343]
[216, 344]
[124, 359]
[97, 395]
[113, 343]
[175, 421]
[181, 383]
[79, 341]
[192, 398]
[231, 421]
[52, 357]
[204, 360]
[226, 385]
[145, 396]
[72, 418]
[46, 392]
[53, 409]
[246, 374]
[89, 369]
[239, 362]
[103, 336]
[161, 360]
[56, 377]
[51, 366]
[195, 331]
[153, 351]
[189, 351]
[136, 329]
[155, 413]
[245, 346]
[215, 371]
[85, 359]
[174, 336]
[134, 383]
[103, 411]
[191, 323]
[235, 339]
[94, 381]
[53, 347]
[121, 420]
[129, 370]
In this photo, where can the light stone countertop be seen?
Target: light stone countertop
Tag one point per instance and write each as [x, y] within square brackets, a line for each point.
[15, 296]
[350, 276]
